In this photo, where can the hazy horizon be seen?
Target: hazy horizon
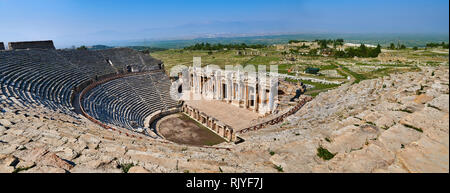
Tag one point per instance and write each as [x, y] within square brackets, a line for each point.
[82, 22]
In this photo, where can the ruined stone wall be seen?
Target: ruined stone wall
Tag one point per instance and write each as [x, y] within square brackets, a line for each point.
[221, 129]
[31, 45]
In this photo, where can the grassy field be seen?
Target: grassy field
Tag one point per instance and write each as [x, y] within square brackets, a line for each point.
[318, 87]
[400, 61]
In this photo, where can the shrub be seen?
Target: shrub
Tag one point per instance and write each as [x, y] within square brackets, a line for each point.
[126, 167]
[272, 153]
[311, 70]
[324, 153]
[82, 48]
[279, 168]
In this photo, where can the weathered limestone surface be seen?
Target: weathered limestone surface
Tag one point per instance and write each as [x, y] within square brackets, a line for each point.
[398, 123]
[138, 169]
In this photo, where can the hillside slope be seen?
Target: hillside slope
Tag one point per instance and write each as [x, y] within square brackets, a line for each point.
[398, 123]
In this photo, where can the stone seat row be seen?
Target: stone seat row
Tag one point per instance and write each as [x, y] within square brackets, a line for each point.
[120, 108]
[81, 58]
[37, 81]
[48, 77]
[126, 102]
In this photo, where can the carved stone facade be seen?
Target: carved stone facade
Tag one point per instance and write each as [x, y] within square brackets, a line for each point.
[241, 89]
[245, 90]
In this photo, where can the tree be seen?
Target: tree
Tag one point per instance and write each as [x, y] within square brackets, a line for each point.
[375, 52]
[323, 44]
[304, 46]
[415, 48]
[363, 50]
[293, 51]
[338, 42]
[208, 46]
[313, 52]
[378, 48]
[296, 41]
[340, 54]
[392, 46]
[82, 48]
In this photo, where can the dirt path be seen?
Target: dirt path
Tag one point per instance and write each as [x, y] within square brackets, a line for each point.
[352, 79]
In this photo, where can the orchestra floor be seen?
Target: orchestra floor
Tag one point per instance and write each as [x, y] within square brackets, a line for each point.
[237, 118]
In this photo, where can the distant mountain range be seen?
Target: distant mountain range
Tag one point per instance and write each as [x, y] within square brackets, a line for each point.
[250, 32]
[408, 40]
[99, 47]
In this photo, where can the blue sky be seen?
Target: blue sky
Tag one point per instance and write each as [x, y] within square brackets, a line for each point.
[74, 22]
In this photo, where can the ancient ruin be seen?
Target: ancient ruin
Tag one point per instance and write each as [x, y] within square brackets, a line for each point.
[250, 91]
[48, 44]
[99, 110]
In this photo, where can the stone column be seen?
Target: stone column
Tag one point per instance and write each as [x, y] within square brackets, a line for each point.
[262, 94]
[273, 91]
[239, 93]
[198, 83]
[194, 82]
[229, 88]
[246, 97]
[256, 90]
[219, 87]
[216, 90]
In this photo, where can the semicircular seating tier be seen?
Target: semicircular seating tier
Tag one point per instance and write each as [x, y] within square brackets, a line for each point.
[48, 78]
[128, 101]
